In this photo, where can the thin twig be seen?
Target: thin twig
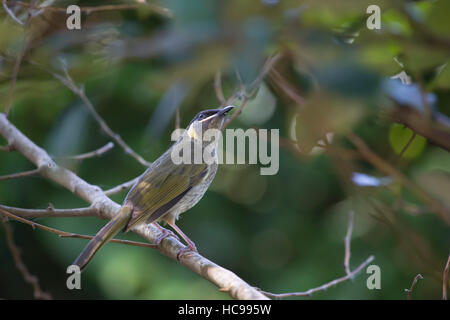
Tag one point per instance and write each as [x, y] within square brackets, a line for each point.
[286, 87]
[15, 72]
[10, 13]
[158, 9]
[413, 284]
[348, 238]
[349, 274]
[20, 265]
[407, 145]
[51, 212]
[121, 187]
[96, 153]
[270, 62]
[324, 286]
[79, 91]
[20, 174]
[64, 234]
[218, 88]
[445, 279]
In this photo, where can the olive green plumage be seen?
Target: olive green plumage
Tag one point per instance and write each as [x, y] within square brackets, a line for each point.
[164, 191]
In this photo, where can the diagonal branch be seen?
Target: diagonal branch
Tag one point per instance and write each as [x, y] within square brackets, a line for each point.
[96, 153]
[64, 234]
[106, 208]
[348, 239]
[445, 279]
[121, 187]
[20, 174]
[28, 277]
[79, 91]
[154, 7]
[413, 284]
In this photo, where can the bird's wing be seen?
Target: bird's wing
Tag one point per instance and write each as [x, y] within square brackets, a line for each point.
[160, 188]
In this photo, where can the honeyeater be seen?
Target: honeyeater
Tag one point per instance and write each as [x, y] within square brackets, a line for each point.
[167, 188]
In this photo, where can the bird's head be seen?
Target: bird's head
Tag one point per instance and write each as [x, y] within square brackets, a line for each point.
[207, 119]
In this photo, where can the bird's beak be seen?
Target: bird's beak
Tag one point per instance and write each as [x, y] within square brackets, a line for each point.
[225, 110]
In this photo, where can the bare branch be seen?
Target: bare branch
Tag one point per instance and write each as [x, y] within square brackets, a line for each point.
[96, 153]
[121, 187]
[15, 72]
[348, 238]
[156, 8]
[413, 284]
[169, 246]
[324, 287]
[27, 276]
[79, 91]
[218, 88]
[51, 212]
[270, 62]
[349, 274]
[10, 13]
[445, 279]
[64, 234]
[407, 145]
[20, 174]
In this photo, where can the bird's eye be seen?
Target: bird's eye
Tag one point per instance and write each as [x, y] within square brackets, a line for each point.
[201, 116]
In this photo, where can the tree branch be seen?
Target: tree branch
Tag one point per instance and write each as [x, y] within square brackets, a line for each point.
[413, 284]
[96, 153]
[79, 91]
[348, 239]
[158, 9]
[20, 174]
[27, 276]
[106, 208]
[64, 234]
[445, 279]
[121, 187]
[51, 212]
[349, 274]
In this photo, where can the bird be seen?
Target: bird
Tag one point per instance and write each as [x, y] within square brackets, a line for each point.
[166, 189]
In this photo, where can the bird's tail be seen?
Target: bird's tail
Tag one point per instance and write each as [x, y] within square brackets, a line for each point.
[103, 236]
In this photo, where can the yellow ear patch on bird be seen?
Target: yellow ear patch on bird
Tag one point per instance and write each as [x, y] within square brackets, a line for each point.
[192, 132]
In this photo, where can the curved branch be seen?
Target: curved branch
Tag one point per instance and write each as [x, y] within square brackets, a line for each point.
[96, 153]
[64, 234]
[20, 174]
[121, 187]
[169, 246]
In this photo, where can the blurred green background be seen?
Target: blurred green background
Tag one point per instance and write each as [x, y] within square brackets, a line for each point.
[280, 233]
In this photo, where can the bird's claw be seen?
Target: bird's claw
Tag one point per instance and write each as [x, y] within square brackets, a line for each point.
[164, 234]
[186, 251]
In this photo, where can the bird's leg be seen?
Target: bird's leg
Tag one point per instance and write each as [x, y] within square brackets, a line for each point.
[164, 234]
[190, 244]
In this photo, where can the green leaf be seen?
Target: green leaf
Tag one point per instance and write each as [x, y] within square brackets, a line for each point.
[399, 138]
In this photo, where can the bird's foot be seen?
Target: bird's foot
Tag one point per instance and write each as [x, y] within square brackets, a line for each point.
[164, 234]
[187, 251]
